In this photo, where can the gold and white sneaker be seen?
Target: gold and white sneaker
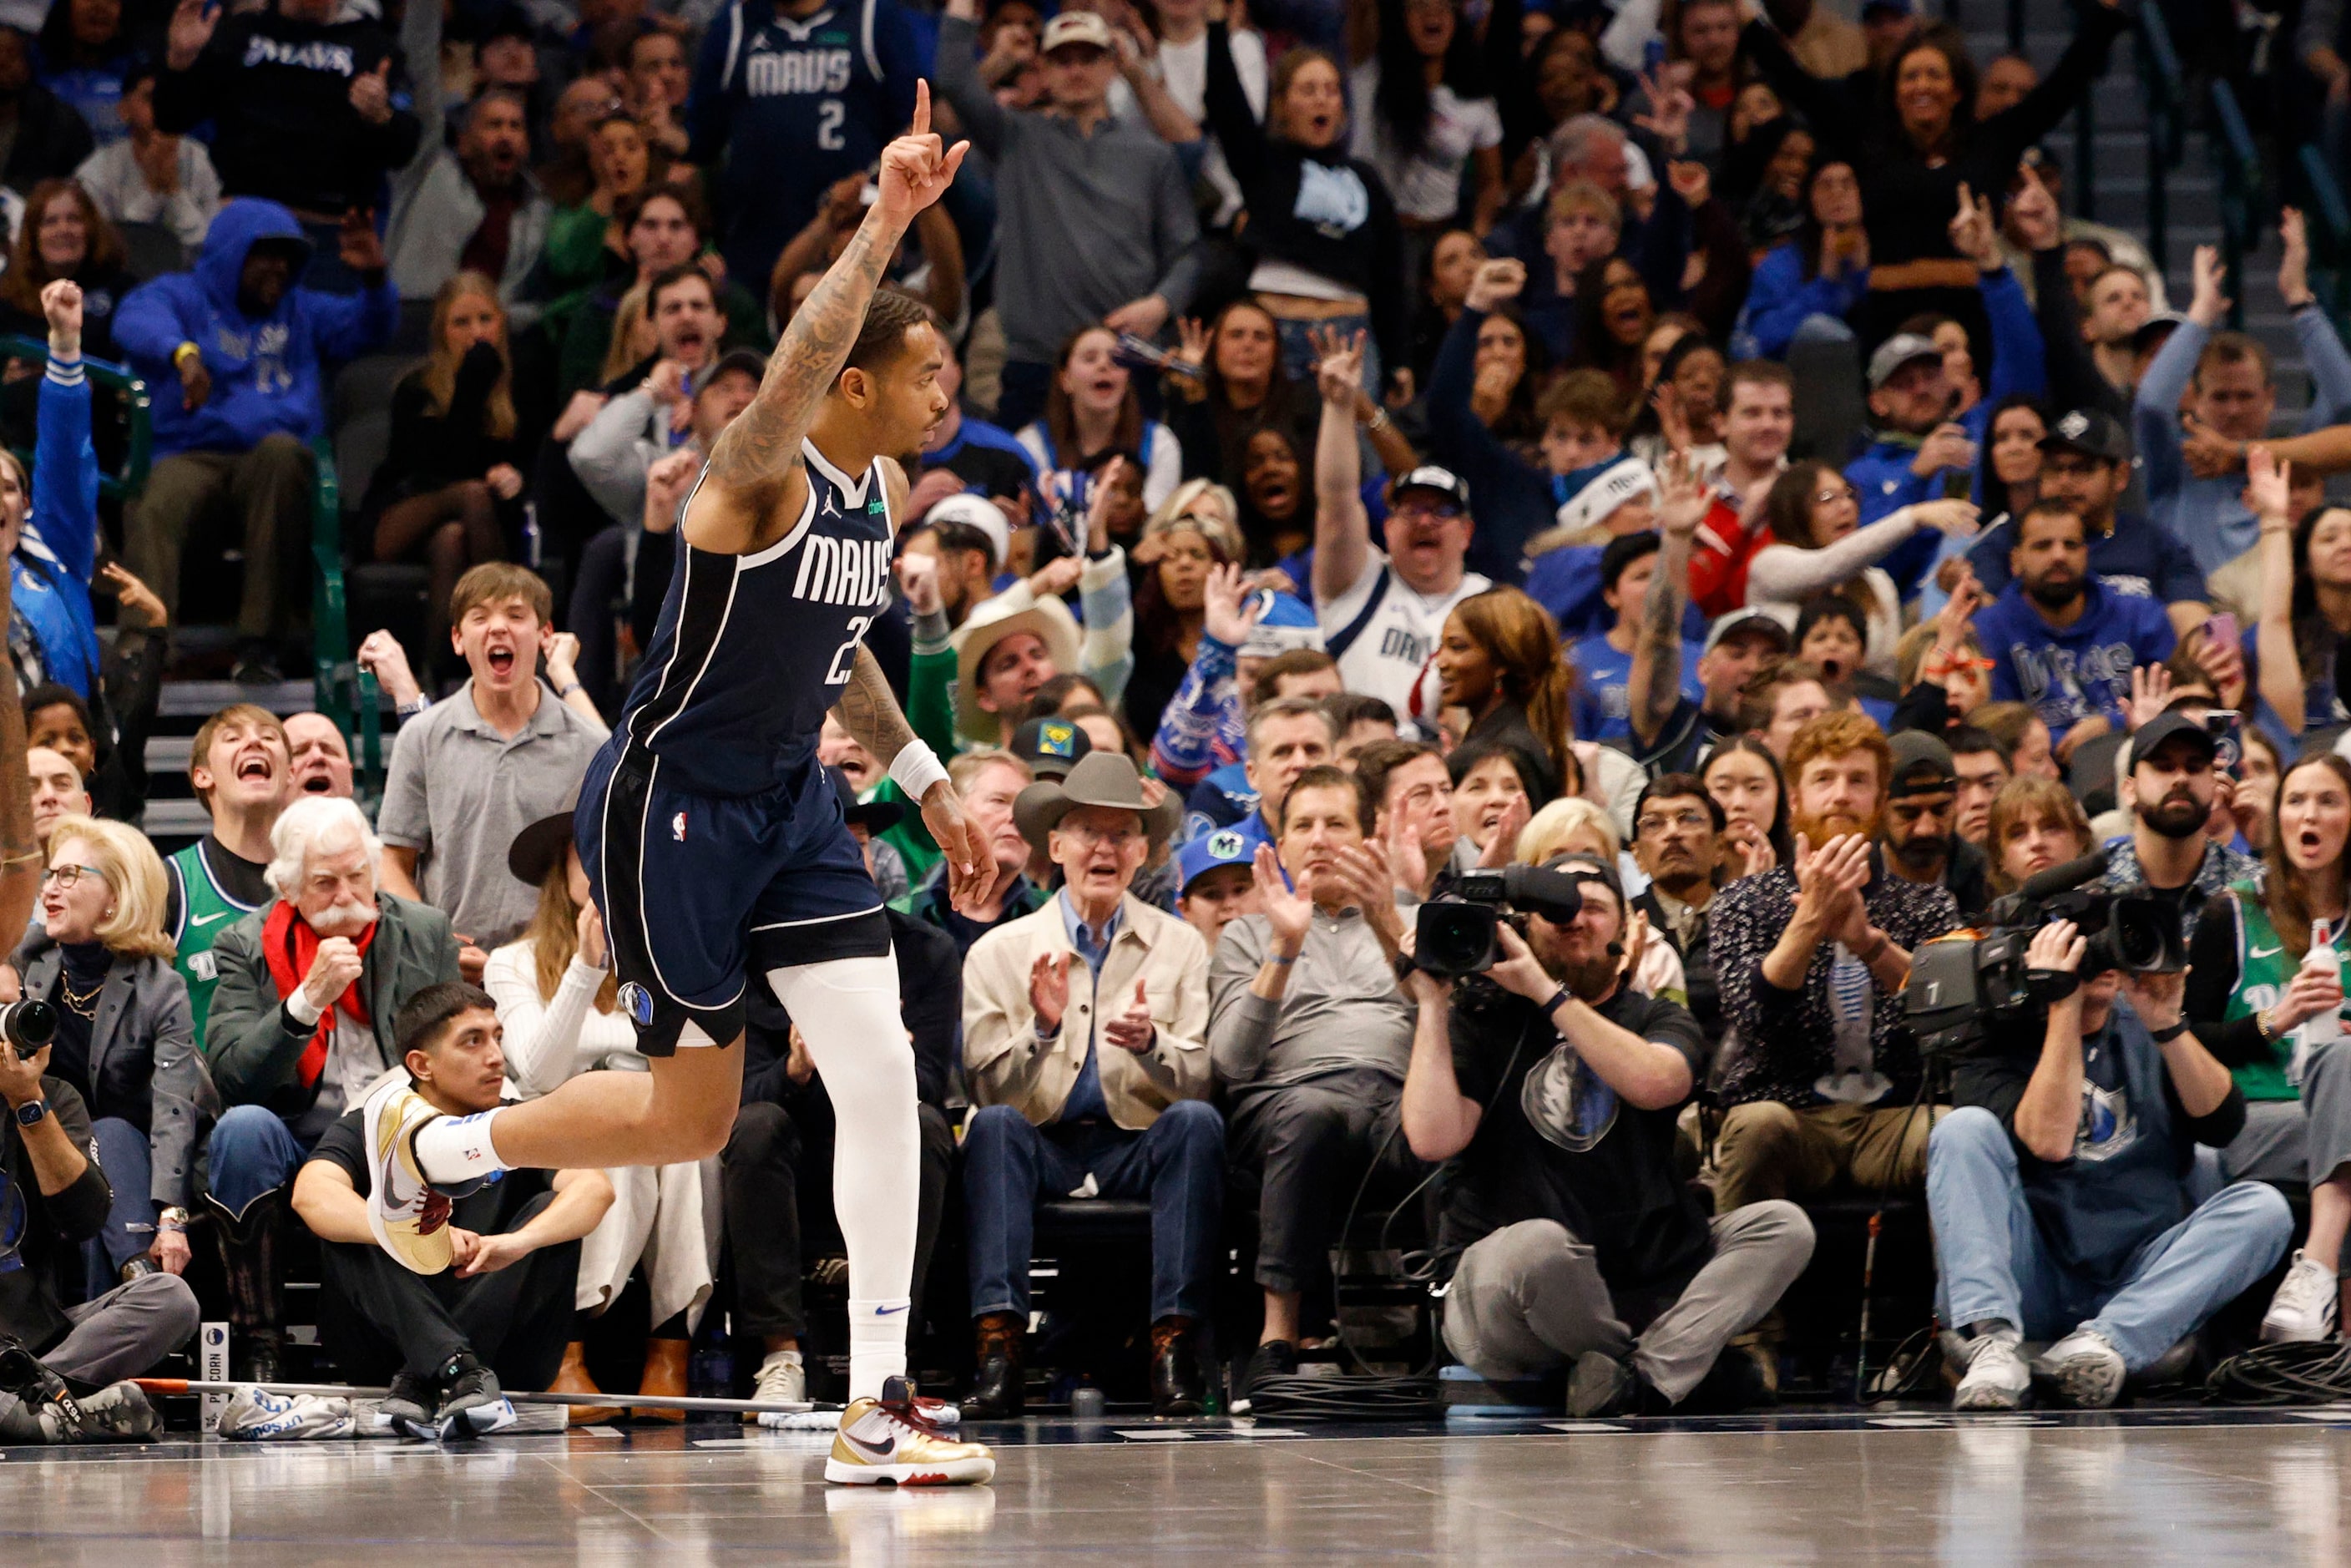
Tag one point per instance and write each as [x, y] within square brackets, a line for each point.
[891, 1440]
[407, 1217]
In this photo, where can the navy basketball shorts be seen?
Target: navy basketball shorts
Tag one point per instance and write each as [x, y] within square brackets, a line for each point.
[702, 894]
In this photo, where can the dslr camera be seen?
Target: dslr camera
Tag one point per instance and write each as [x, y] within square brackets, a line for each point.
[27, 1026]
[1971, 989]
[1459, 933]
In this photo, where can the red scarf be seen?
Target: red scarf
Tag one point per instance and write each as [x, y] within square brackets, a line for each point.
[292, 947]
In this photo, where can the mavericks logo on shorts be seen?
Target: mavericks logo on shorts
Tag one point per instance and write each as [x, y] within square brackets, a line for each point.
[638, 1003]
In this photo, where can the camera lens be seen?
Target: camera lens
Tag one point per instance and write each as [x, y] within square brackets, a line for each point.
[29, 1026]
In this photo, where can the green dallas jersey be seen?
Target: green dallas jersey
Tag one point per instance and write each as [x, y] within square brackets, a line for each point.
[2264, 969]
[205, 911]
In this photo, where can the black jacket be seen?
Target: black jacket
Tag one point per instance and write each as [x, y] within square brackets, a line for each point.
[278, 93]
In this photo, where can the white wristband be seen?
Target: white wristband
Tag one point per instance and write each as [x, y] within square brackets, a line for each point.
[914, 769]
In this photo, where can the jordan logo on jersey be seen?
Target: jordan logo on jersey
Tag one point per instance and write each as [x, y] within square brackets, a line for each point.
[842, 571]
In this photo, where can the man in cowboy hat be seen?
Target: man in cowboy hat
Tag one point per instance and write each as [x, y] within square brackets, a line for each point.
[1090, 1077]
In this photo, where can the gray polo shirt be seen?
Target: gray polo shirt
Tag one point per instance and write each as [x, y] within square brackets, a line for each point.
[1340, 1010]
[459, 792]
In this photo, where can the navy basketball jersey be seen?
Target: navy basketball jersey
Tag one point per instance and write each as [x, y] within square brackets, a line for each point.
[752, 650]
[792, 104]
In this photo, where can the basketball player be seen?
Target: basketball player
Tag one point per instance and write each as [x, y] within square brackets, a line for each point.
[716, 846]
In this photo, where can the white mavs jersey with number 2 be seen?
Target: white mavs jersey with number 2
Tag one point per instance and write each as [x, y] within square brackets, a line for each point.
[752, 650]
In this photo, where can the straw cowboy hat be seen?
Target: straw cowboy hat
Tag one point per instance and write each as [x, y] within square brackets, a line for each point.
[991, 622]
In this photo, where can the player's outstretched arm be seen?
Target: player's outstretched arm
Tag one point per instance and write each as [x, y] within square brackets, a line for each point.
[758, 452]
[869, 711]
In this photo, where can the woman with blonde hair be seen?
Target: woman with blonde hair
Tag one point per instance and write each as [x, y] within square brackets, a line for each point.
[125, 1039]
[1499, 660]
[453, 460]
[558, 1001]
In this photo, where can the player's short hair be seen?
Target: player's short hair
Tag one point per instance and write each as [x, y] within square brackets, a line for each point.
[882, 338]
[495, 582]
[422, 1022]
[1329, 776]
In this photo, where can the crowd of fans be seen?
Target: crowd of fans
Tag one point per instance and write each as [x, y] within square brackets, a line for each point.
[1383, 448]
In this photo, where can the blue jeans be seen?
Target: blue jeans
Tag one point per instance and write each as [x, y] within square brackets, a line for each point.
[1994, 1262]
[1177, 1162]
[253, 1152]
[130, 1228]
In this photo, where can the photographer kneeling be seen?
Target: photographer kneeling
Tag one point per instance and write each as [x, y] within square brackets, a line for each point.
[1576, 1242]
[2059, 1190]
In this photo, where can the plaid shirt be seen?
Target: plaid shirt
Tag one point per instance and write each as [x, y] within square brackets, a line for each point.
[1787, 1040]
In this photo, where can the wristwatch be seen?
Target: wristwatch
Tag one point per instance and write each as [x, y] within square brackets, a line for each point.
[29, 1113]
[173, 1218]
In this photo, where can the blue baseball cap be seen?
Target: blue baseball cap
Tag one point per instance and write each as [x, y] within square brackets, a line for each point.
[1225, 846]
[1286, 622]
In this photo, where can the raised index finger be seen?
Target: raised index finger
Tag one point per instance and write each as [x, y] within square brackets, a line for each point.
[922, 125]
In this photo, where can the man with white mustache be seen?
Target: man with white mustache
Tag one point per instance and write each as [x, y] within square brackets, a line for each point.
[300, 1026]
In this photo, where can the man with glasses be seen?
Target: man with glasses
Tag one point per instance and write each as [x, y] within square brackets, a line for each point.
[1383, 610]
[1678, 843]
[1085, 1028]
[2085, 464]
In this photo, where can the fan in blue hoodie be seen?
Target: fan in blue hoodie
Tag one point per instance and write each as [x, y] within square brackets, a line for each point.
[2060, 639]
[50, 527]
[243, 343]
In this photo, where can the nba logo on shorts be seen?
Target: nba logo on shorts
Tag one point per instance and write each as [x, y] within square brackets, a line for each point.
[638, 1003]
[678, 827]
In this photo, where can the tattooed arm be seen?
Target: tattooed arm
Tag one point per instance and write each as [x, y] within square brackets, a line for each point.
[1654, 685]
[755, 465]
[869, 713]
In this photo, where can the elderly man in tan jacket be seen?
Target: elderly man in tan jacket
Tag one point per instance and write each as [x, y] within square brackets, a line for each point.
[1084, 1048]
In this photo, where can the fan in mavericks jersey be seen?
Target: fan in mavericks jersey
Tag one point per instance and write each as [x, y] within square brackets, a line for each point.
[794, 95]
[716, 847]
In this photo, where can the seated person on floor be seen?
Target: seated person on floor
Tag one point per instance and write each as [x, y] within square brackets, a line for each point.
[1573, 1240]
[504, 1311]
[100, 957]
[1310, 1038]
[2061, 1189]
[1091, 1078]
[50, 1181]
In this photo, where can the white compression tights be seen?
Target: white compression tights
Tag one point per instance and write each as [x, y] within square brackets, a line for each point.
[847, 1010]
